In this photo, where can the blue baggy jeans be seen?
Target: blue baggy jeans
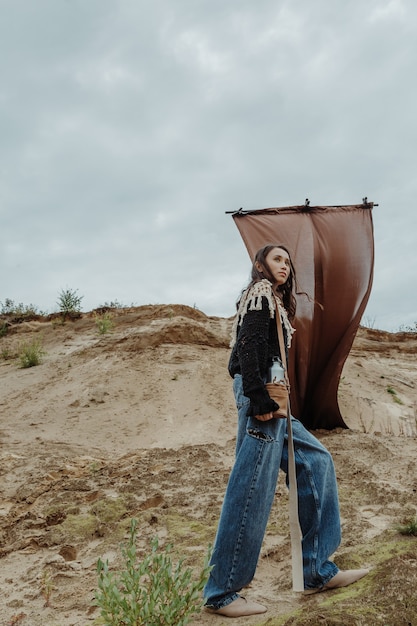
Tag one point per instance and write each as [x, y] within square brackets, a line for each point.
[261, 450]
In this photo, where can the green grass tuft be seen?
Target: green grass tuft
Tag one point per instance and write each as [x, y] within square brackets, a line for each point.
[30, 353]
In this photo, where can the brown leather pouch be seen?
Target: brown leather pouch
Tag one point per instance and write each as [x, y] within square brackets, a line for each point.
[279, 392]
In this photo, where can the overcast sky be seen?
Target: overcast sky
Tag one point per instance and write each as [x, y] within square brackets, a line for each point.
[129, 127]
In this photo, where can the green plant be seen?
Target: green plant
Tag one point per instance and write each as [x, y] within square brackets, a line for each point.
[6, 354]
[47, 586]
[104, 323]
[7, 307]
[94, 468]
[58, 321]
[69, 302]
[4, 328]
[114, 304]
[30, 353]
[409, 527]
[109, 510]
[152, 592]
[11, 308]
[408, 329]
[392, 391]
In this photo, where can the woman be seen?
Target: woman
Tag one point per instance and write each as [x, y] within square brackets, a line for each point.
[261, 450]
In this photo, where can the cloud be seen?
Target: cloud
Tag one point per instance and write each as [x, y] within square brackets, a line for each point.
[128, 129]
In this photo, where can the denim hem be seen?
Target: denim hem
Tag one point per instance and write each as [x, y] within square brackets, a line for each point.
[325, 580]
[215, 606]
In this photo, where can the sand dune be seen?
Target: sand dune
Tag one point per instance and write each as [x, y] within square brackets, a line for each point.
[140, 423]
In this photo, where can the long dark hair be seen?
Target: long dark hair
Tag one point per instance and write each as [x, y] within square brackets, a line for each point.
[285, 291]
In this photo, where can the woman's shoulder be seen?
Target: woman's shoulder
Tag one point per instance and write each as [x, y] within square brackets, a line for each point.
[257, 297]
[252, 297]
[260, 286]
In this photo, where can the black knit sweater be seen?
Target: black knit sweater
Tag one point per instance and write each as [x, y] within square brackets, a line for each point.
[256, 345]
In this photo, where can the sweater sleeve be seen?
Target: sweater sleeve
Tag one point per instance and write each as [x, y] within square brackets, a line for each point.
[252, 351]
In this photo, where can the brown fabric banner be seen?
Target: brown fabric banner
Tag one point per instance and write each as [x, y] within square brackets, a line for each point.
[333, 252]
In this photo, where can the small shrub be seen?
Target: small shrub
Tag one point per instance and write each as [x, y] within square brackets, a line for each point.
[408, 329]
[30, 353]
[4, 329]
[12, 309]
[7, 307]
[152, 592]
[58, 321]
[409, 527]
[104, 323]
[114, 304]
[69, 302]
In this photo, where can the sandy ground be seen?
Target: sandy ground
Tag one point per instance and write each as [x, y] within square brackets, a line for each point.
[140, 423]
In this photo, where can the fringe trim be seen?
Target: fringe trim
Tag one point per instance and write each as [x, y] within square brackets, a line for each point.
[286, 322]
[251, 300]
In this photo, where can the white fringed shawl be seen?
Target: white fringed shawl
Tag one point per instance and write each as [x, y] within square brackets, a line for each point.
[251, 300]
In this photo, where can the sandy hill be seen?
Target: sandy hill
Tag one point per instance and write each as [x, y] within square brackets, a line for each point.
[139, 422]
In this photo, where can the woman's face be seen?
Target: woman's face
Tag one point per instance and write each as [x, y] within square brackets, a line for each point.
[278, 263]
